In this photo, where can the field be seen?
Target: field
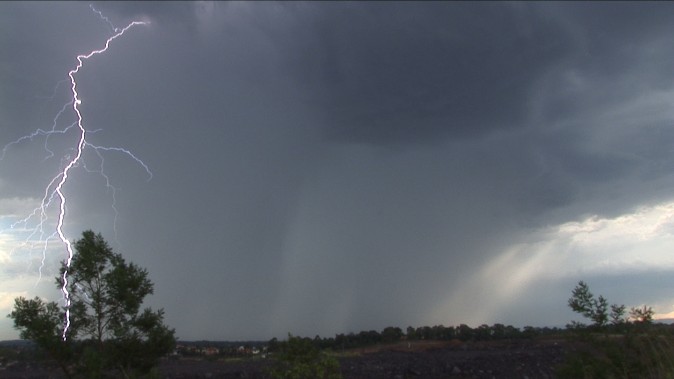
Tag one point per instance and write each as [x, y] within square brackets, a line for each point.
[535, 358]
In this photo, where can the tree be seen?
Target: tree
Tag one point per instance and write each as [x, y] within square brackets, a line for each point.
[582, 301]
[411, 333]
[106, 296]
[618, 314]
[633, 349]
[41, 322]
[299, 358]
[391, 334]
[642, 315]
[465, 332]
[498, 331]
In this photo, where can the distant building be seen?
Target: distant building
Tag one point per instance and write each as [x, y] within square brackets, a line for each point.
[210, 351]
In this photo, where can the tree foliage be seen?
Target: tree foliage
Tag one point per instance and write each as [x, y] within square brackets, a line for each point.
[643, 315]
[631, 347]
[618, 314]
[41, 323]
[299, 358]
[108, 330]
[582, 301]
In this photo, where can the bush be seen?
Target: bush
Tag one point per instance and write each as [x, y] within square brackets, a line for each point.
[628, 348]
[299, 358]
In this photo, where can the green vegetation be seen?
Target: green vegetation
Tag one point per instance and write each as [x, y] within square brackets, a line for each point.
[627, 347]
[299, 358]
[304, 357]
[391, 335]
[109, 335]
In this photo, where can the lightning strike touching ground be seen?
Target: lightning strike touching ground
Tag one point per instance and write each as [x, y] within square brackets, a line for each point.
[54, 190]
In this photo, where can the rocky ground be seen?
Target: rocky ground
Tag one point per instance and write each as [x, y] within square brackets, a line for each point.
[454, 359]
[503, 360]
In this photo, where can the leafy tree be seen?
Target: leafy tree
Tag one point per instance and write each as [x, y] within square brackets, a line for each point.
[424, 332]
[582, 301]
[530, 331]
[618, 314]
[498, 331]
[299, 358]
[642, 315]
[411, 333]
[391, 334]
[106, 296]
[369, 337]
[634, 349]
[273, 345]
[465, 332]
[441, 332]
[41, 322]
[483, 332]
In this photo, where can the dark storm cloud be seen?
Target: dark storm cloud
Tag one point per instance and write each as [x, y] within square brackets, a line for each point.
[26, 80]
[170, 12]
[402, 73]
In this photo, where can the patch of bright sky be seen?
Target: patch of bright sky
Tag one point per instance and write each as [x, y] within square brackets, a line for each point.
[20, 261]
[23, 248]
[637, 242]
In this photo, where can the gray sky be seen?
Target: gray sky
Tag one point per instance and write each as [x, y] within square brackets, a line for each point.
[320, 168]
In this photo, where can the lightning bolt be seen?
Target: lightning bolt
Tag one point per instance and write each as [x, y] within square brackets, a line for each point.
[54, 190]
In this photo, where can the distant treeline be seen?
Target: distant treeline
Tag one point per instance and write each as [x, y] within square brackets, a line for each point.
[392, 334]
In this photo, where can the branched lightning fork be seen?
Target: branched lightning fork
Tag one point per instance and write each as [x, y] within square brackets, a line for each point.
[54, 190]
